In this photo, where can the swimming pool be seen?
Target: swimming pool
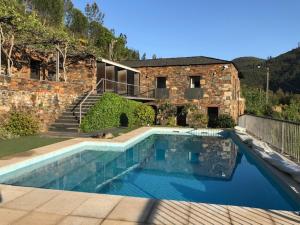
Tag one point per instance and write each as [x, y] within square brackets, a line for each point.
[182, 166]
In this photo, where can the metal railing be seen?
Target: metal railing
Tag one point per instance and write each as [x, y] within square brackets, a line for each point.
[86, 97]
[121, 88]
[283, 135]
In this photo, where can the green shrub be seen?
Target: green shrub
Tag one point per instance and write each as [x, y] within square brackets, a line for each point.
[5, 134]
[144, 115]
[170, 121]
[198, 120]
[166, 114]
[113, 110]
[22, 124]
[223, 121]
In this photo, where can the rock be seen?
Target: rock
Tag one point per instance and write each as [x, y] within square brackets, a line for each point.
[108, 136]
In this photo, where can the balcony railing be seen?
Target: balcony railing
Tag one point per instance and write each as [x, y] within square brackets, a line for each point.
[123, 89]
[193, 93]
[161, 93]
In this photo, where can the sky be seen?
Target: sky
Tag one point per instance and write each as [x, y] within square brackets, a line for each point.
[223, 29]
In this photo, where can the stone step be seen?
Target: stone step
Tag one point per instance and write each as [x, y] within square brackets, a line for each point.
[91, 97]
[74, 113]
[86, 104]
[58, 130]
[71, 108]
[67, 120]
[65, 125]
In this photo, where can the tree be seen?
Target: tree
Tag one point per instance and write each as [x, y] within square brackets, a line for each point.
[50, 12]
[154, 56]
[7, 42]
[79, 23]
[93, 13]
[144, 57]
[68, 7]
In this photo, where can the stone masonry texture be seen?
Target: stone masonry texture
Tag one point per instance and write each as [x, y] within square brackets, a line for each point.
[46, 99]
[220, 84]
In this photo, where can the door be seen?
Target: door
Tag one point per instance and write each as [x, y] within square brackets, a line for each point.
[213, 113]
[181, 116]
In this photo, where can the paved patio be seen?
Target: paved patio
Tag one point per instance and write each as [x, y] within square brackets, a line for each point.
[21, 205]
[33, 206]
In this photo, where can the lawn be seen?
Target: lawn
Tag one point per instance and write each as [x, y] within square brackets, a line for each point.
[22, 144]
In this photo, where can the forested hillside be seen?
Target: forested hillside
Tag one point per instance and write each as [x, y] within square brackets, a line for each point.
[46, 26]
[284, 94]
[284, 71]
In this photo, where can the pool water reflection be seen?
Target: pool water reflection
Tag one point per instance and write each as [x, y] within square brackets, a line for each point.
[177, 167]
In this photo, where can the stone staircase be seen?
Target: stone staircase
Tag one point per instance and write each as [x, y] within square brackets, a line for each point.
[68, 122]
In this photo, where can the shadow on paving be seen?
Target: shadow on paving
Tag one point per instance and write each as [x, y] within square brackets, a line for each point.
[177, 212]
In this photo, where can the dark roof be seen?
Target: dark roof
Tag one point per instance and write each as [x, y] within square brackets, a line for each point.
[183, 61]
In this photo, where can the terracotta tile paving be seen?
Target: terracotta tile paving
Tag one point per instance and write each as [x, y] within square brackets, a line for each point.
[8, 216]
[98, 207]
[37, 218]
[170, 212]
[132, 209]
[33, 206]
[76, 220]
[31, 200]
[64, 203]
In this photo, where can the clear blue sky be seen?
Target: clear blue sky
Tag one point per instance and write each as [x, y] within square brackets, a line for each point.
[217, 28]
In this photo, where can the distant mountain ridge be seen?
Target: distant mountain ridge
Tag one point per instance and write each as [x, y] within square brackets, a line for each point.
[284, 71]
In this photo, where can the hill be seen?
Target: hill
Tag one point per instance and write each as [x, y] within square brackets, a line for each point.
[284, 71]
[44, 26]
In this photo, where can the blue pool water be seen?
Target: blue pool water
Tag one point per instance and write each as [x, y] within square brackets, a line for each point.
[177, 167]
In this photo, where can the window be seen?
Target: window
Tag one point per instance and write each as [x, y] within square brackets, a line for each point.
[195, 82]
[161, 82]
[35, 70]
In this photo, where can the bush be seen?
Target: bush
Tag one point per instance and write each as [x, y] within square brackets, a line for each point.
[144, 115]
[5, 134]
[167, 114]
[223, 121]
[113, 110]
[22, 124]
[198, 120]
[170, 121]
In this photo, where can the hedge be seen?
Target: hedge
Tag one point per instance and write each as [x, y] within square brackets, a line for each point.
[113, 110]
[223, 121]
[18, 123]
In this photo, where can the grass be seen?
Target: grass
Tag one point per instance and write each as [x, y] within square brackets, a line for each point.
[22, 144]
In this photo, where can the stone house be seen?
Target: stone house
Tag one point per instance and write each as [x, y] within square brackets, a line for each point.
[211, 84]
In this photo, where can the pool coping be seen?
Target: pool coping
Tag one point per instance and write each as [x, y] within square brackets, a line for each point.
[20, 204]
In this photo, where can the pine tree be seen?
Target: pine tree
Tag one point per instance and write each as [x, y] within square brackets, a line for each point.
[50, 12]
[93, 13]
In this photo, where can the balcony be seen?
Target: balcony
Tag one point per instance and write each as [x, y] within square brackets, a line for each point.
[161, 93]
[193, 93]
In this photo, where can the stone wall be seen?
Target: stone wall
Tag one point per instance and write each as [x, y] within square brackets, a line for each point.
[46, 99]
[82, 70]
[220, 84]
